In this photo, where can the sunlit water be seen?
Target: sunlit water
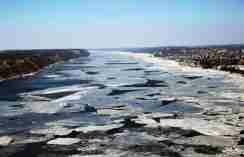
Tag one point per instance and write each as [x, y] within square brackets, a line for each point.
[57, 95]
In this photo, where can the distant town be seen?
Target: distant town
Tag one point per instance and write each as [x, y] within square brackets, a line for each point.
[227, 57]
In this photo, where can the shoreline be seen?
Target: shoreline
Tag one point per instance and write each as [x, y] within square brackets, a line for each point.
[29, 74]
[20, 76]
[225, 59]
[165, 64]
[150, 58]
[16, 64]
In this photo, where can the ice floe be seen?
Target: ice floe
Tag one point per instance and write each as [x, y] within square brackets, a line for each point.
[51, 76]
[54, 130]
[45, 107]
[55, 90]
[98, 128]
[202, 126]
[64, 141]
[39, 102]
[6, 140]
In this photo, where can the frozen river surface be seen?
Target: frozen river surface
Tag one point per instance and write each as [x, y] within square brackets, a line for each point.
[130, 83]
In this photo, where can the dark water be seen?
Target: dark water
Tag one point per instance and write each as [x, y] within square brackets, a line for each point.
[57, 95]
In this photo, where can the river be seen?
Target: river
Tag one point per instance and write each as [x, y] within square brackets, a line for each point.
[56, 96]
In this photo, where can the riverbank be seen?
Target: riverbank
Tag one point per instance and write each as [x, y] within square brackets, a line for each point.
[22, 63]
[229, 59]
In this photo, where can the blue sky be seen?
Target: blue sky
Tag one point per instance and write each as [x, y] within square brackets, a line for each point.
[119, 23]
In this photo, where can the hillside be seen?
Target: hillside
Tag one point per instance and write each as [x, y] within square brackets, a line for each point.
[19, 62]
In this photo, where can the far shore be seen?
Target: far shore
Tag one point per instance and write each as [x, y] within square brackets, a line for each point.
[23, 63]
